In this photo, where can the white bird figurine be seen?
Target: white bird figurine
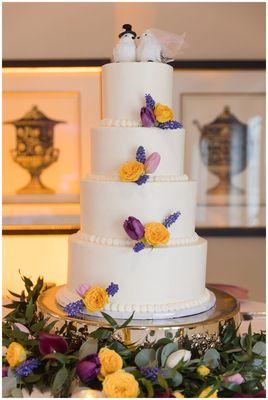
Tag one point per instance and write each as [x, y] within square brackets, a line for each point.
[125, 50]
[159, 46]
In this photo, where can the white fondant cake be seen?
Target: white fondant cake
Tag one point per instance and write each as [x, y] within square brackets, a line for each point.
[168, 280]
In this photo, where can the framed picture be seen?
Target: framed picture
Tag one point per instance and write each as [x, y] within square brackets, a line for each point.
[47, 115]
[223, 112]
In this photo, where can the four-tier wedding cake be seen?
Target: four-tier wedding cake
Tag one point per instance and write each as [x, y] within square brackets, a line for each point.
[137, 206]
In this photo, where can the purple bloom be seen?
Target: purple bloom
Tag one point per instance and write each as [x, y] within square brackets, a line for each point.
[75, 308]
[142, 179]
[138, 247]
[140, 154]
[88, 368]
[150, 103]
[134, 228]
[259, 394]
[27, 367]
[150, 373]
[82, 289]
[4, 372]
[171, 219]
[235, 378]
[170, 125]
[50, 343]
[147, 117]
[152, 162]
[112, 289]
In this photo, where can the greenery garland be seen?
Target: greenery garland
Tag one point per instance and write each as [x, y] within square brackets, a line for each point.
[67, 360]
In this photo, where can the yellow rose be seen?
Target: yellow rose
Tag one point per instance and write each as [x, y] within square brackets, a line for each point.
[95, 299]
[121, 384]
[206, 391]
[178, 394]
[156, 234]
[131, 171]
[110, 361]
[163, 113]
[16, 354]
[202, 370]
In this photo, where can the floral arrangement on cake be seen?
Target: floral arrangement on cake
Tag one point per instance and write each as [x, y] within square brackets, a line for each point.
[158, 115]
[138, 170]
[152, 234]
[70, 361]
[93, 299]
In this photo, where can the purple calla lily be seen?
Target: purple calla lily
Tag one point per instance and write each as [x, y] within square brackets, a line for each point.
[88, 368]
[152, 162]
[147, 117]
[134, 228]
[50, 343]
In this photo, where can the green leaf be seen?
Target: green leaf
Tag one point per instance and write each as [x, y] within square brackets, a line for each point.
[38, 326]
[59, 381]
[120, 349]
[162, 382]
[32, 378]
[110, 320]
[211, 358]
[176, 380]
[56, 356]
[15, 294]
[149, 387]
[167, 350]
[101, 333]
[30, 310]
[259, 348]
[145, 357]
[127, 321]
[87, 348]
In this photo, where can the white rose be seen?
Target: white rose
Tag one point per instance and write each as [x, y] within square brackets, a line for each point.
[177, 356]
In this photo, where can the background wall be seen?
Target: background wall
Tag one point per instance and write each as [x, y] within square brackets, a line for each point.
[89, 30]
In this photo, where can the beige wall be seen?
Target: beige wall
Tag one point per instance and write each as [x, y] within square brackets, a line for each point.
[88, 30]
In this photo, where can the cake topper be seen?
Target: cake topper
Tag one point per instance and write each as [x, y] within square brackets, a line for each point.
[125, 50]
[159, 46]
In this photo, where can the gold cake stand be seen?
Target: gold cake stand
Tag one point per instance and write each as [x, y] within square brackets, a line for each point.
[204, 325]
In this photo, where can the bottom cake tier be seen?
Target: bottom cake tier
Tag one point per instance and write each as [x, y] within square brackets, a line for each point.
[163, 282]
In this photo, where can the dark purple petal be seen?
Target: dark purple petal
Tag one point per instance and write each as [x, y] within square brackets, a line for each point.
[50, 343]
[147, 117]
[134, 228]
[4, 372]
[88, 368]
[259, 394]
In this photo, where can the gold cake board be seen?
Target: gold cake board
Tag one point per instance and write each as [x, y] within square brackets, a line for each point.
[205, 324]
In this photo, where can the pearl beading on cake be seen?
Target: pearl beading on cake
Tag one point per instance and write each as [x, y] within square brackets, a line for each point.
[154, 178]
[173, 242]
[160, 308]
[123, 123]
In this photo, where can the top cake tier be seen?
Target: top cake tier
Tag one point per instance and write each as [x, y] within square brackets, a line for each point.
[124, 86]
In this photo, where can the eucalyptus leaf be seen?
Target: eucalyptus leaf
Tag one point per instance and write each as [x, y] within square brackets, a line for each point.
[167, 350]
[145, 357]
[176, 380]
[259, 348]
[59, 380]
[88, 347]
[211, 358]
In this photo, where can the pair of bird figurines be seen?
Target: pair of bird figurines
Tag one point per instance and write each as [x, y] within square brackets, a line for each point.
[154, 45]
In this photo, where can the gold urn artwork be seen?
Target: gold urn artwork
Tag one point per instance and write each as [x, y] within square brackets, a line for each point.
[34, 148]
[223, 150]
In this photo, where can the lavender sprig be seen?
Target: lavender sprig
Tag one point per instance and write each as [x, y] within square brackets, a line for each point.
[170, 125]
[142, 179]
[27, 367]
[150, 373]
[171, 219]
[112, 289]
[138, 247]
[140, 154]
[149, 101]
[75, 308]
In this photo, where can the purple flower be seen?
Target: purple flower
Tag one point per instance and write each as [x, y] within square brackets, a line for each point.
[140, 154]
[150, 103]
[259, 394]
[171, 219]
[27, 367]
[170, 125]
[82, 289]
[152, 162]
[88, 368]
[236, 378]
[150, 373]
[134, 228]
[138, 247]
[50, 343]
[142, 179]
[4, 372]
[112, 289]
[75, 308]
[147, 117]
